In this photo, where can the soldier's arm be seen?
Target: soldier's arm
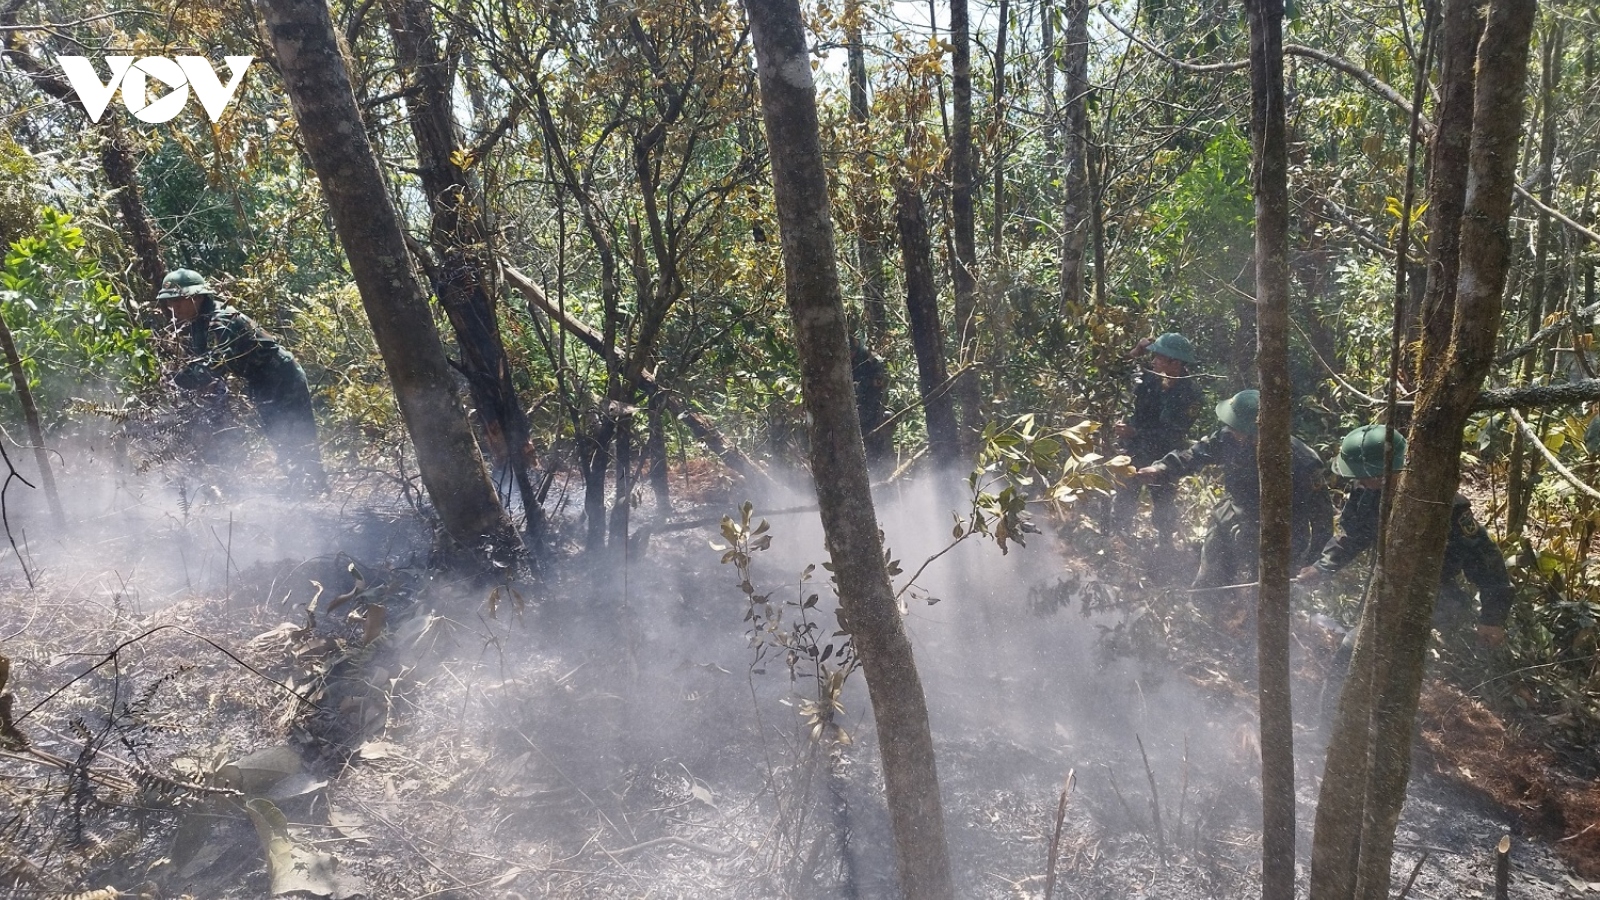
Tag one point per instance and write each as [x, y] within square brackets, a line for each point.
[1356, 533]
[1183, 462]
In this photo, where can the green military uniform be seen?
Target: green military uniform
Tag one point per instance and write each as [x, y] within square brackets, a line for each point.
[223, 341]
[1164, 409]
[1229, 553]
[1469, 551]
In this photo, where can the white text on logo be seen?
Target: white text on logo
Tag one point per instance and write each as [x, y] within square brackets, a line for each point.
[179, 73]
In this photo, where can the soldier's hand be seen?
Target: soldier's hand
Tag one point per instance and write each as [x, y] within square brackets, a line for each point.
[1309, 575]
[1139, 348]
[1492, 636]
[1148, 473]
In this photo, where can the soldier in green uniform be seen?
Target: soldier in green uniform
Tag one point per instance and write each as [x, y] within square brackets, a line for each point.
[1469, 550]
[1166, 402]
[1228, 555]
[222, 341]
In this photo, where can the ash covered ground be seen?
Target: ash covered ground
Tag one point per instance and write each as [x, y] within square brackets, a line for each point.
[609, 730]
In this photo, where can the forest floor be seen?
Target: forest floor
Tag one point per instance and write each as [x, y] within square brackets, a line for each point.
[269, 697]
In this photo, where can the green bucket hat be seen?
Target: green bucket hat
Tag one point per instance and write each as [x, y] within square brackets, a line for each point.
[1175, 346]
[1361, 452]
[1239, 411]
[183, 283]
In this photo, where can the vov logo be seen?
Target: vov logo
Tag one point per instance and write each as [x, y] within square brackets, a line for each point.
[133, 76]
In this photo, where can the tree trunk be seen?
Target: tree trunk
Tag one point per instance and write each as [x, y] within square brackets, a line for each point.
[869, 205]
[622, 493]
[1544, 295]
[1369, 756]
[1274, 455]
[656, 453]
[1075, 157]
[997, 220]
[963, 223]
[1447, 178]
[461, 240]
[838, 463]
[927, 338]
[869, 254]
[369, 228]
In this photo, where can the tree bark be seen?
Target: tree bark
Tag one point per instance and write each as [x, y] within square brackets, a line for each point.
[869, 204]
[1369, 756]
[1447, 170]
[1074, 156]
[838, 462]
[927, 338]
[461, 240]
[964, 223]
[869, 242]
[315, 75]
[1274, 456]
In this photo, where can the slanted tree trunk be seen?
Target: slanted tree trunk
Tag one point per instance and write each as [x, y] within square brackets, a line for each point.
[1368, 764]
[963, 224]
[461, 240]
[927, 338]
[1074, 155]
[370, 230]
[838, 463]
[1268, 131]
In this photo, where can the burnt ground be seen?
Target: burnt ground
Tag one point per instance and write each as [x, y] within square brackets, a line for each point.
[610, 731]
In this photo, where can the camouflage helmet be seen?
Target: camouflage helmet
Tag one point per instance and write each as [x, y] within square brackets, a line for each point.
[1174, 346]
[1239, 411]
[183, 283]
[1361, 452]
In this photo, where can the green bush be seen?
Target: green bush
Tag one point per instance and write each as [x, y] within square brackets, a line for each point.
[75, 334]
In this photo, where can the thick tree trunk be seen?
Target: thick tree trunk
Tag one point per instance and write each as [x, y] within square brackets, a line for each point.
[963, 224]
[1369, 757]
[1447, 170]
[371, 233]
[1274, 456]
[927, 338]
[1074, 156]
[838, 463]
[460, 238]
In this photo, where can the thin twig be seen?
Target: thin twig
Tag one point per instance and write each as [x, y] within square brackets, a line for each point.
[1155, 800]
[1055, 837]
[1414, 871]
